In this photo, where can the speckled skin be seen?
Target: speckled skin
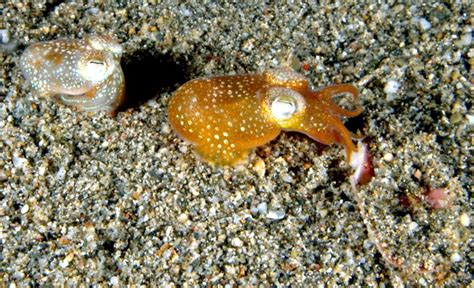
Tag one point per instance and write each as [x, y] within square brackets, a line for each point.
[226, 116]
[84, 73]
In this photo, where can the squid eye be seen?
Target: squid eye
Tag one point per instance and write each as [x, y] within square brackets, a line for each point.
[94, 70]
[283, 107]
[284, 103]
[96, 62]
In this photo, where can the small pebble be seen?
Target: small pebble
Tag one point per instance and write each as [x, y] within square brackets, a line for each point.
[470, 119]
[93, 11]
[465, 220]
[455, 257]
[259, 167]
[67, 260]
[4, 36]
[165, 128]
[61, 173]
[185, 12]
[153, 103]
[287, 178]
[466, 39]
[417, 174]
[412, 226]
[391, 87]
[42, 170]
[253, 210]
[183, 149]
[367, 244]
[3, 175]
[424, 24]
[276, 215]
[114, 280]
[262, 208]
[25, 209]
[422, 282]
[212, 211]
[323, 213]
[236, 242]
[183, 218]
[388, 157]
[18, 161]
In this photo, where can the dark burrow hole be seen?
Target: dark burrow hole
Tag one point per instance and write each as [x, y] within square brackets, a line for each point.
[109, 246]
[356, 124]
[147, 75]
[51, 5]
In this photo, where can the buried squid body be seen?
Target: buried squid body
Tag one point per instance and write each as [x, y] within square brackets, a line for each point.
[225, 117]
[83, 73]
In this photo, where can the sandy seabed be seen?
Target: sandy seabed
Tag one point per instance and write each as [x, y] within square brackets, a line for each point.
[90, 199]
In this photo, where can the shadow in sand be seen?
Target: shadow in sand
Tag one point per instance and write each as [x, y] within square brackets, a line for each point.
[147, 75]
[356, 124]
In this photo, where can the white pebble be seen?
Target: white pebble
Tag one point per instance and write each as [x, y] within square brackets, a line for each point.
[466, 39]
[470, 119]
[152, 103]
[114, 280]
[25, 209]
[388, 157]
[425, 24]
[165, 128]
[236, 242]
[185, 11]
[18, 161]
[105, 144]
[183, 218]
[64, 263]
[367, 244]
[391, 87]
[455, 257]
[212, 211]
[259, 167]
[262, 208]
[465, 220]
[4, 36]
[412, 226]
[183, 149]
[287, 178]
[253, 210]
[42, 170]
[323, 213]
[93, 11]
[276, 215]
[422, 282]
[61, 173]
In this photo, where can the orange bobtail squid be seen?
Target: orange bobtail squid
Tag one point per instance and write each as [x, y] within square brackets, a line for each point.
[224, 117]
[84, 73]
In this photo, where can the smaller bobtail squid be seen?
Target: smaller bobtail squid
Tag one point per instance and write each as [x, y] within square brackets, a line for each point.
[84, 73]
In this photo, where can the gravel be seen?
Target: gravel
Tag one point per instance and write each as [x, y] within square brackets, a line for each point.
[90, 199]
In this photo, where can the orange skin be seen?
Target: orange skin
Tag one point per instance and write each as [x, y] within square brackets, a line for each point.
[225, 117]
